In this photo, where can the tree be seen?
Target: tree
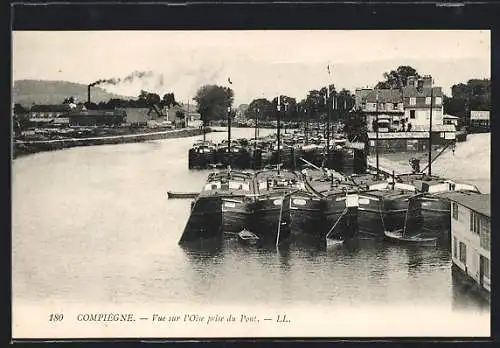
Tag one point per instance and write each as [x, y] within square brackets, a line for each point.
[260, 108]
[19, 109]
[169, 100]
[397, 79]
[288, 108]
[69, 100]
[355, 127]
[213, 101]
[473, 95]
[315, 104]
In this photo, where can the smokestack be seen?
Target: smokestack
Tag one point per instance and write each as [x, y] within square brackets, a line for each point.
[88, 93]
[427, 81]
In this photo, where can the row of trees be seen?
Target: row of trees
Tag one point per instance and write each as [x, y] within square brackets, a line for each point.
[313, 107]
[473, 95]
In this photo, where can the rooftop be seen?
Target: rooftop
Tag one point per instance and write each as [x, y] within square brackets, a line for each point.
[50, 108]
[409, 91]
[384, 96]
[479, 202]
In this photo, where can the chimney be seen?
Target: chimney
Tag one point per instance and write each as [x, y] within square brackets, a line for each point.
[427, 81]
[88, 93]
[420, 84]
[411, 81]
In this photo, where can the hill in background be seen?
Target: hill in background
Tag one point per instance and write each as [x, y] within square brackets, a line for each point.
[27, 92]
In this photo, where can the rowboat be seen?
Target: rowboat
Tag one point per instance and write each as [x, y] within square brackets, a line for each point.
[248, 237]
[180, 195]
[400, 237]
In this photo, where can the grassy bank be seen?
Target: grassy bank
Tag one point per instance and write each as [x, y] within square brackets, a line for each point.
[22, 147]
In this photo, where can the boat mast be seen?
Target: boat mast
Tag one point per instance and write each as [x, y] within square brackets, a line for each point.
[430, 132]
[306, 124]
[328, 114]
[278, 120]
[256, 125]
[376, 140]
[203, 127]
[229, 125]
[229, 134]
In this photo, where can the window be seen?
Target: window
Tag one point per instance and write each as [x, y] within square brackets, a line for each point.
[484, 236]
[455, 247]
[438, 100]
[427, 100]
[413, 101]
[474, 222]
[463, 253]
[412, 114]
[395, 106]
[454, 208]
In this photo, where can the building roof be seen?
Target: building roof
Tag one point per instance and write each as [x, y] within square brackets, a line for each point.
[410, 91]
[138, 114]
[478, 202]
[384, 96]
[50, 108]
[435, 128]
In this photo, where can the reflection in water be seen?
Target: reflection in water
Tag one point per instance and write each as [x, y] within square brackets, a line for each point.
[103, 211]
[465, 297]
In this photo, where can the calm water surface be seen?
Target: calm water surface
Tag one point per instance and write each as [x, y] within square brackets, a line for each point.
[95, 224]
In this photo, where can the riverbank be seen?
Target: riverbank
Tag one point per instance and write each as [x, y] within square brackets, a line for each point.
[21, 147]
[470, 163]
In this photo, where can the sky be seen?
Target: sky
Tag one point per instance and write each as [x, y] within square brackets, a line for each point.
[260, 63]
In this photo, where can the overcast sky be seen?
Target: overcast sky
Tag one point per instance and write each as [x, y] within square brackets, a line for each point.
[260, 63]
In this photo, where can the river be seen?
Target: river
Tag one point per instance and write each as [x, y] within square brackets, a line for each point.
[93, 225]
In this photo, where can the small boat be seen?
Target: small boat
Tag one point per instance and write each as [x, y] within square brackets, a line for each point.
[248, 237]
[400, 237]
[332, 242]
[172, 195]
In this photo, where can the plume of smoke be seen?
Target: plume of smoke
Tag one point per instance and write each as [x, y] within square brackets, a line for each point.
[127, 79]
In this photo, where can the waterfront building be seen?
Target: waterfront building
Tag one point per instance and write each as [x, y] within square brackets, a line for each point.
[94, 118]
[417, 95]
[40, 111]
[390, 109]
[471, 238]
[397, 108]
[479, 121]
[417, 140]
[449, 119]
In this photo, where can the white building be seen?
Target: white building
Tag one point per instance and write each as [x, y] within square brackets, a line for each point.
[417, 97]
[470, 237]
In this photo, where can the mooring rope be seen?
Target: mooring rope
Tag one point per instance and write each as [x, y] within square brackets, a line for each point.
[380, 203]
[336, 222]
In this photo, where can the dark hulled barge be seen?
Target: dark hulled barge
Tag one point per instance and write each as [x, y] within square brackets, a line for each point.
[271, 208]
[208, 218]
